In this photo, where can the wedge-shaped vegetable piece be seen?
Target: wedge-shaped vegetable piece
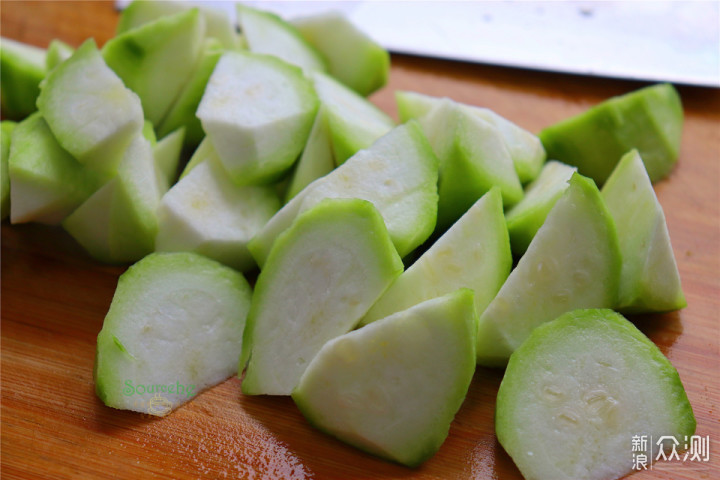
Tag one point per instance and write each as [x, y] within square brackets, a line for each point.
[167, 156]
[354, 122]
[156, 59]
[23, 68]
[588, 381]
[474, 253]
[182, 113]
[207, 213]
[57, 52]
[89, 110]
[174, 329]
[573, 262]
[321, 277]
[148, 131]
[141, 12]
[398, 174]
[257, 111]
[6, 129]
[317, 158]
[47, 182]
[118, 223]
[203, 152]
[649, 120]
[415, 105]
[525, 218]
[650, 281]
[393, 388]
[353, 57]
[526, 150]
[269, 34]
[473, 159]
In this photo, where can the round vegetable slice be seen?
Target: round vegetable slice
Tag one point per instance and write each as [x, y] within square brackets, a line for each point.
[579, 389]
[176, 320]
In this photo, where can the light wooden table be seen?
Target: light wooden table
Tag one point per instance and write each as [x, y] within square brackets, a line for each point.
[54, 299]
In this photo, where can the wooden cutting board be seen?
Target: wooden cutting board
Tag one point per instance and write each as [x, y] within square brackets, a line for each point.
[54, 299]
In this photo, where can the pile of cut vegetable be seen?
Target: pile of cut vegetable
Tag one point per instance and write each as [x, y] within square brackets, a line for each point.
[392, 259]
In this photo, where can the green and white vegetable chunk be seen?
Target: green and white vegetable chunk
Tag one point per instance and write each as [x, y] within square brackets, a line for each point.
[182, 112]
[474, 253]
[23, 68]
[473, 159]
[317, 158]
[352, 57]
[526, 150]
[167, 153]
[398, 174]
[89, 110]
[118, 223]
[57, 52]
[392, 388]
[204, 151]
[157, 59]
[650, 281]
[207, 213]
[148, 131]
[649, 119]
[257, 112]
[47, 182]
[414, 105]
[269, 34]
[526, 218]
[573, 262]
[321, 277]
[174, 329]
[217, 22]
[579, 389]
[354, 122]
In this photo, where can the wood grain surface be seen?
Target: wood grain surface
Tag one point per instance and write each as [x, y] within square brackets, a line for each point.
[54, 299]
